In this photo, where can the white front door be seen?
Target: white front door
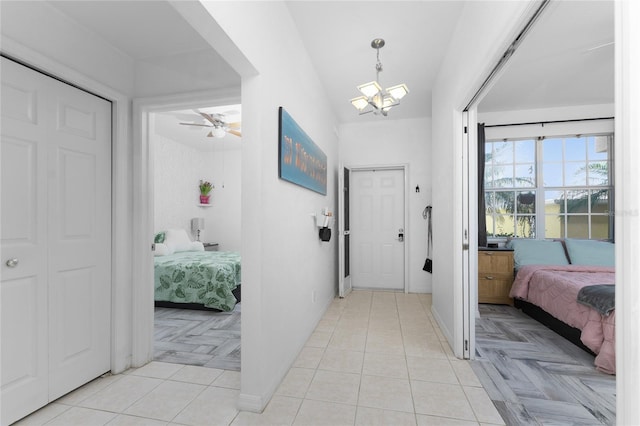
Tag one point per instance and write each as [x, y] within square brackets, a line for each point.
[55, 239]
[377, 228]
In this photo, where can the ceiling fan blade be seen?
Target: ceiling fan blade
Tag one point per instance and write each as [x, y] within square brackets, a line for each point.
[210, 118]
[196, 124]
[235, 125]
[234, 132]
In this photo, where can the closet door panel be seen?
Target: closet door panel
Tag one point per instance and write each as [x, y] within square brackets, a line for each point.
[80, 248]
[23, 244]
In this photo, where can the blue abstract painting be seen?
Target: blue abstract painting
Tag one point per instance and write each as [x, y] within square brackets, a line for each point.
[301, 161]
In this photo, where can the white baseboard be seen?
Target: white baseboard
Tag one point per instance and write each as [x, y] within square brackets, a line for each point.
[251, 403]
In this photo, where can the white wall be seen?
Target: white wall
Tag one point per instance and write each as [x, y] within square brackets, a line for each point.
[178, 169]
[289, 276]
[482, 35]
[183, 72]
[390, 141]
[225, 216]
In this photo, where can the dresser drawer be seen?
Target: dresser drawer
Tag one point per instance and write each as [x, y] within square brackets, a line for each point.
[495, 276]
[495, 262]
[494, 290]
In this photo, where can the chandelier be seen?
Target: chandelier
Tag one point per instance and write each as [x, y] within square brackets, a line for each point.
[373, 96]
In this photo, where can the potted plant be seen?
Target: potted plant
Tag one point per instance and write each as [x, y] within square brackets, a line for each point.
[205, 189]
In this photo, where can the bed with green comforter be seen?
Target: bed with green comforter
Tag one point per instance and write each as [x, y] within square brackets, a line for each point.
[202, 277]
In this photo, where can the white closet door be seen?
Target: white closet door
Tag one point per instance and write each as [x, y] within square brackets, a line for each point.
[79, 194]
[56, 221]
[23, 233]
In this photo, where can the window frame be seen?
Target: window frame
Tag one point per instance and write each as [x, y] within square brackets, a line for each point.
[539, 188]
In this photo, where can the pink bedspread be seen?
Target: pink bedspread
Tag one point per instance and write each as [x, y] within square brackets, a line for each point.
[555, 289]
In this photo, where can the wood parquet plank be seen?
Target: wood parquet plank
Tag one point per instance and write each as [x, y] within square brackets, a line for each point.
[203, 338]
[535, 377]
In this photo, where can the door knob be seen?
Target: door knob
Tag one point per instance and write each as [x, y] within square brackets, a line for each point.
[12, 263]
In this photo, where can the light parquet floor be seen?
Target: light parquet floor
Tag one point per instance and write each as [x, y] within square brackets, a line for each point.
[536, 377]
[202, 338]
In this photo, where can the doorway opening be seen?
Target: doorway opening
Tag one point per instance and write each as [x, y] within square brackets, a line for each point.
[196, 154]
[526, 133]
[375, 247]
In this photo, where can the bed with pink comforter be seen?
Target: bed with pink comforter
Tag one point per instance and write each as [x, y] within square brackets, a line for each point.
[555, 289]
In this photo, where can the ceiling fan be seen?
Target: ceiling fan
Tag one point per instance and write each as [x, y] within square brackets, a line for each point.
[218, 125]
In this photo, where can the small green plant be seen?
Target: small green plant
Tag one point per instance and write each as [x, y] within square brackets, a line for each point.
[205, 187]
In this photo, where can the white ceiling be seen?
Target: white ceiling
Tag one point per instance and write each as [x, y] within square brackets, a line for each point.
[141, 29]
[338, 35]
[161, 43]
[553, 66]
[567, 59]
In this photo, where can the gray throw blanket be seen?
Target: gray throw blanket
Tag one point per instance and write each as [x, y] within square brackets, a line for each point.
[601, 297]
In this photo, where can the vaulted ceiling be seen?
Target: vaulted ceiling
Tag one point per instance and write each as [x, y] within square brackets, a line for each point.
[567, 59]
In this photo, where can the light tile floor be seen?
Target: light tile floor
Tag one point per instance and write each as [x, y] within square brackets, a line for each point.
[376, 358]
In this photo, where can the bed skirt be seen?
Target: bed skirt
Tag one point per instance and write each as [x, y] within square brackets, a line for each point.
[196, 306]
[572, 334]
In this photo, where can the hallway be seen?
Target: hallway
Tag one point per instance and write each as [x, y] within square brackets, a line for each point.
[375, 358]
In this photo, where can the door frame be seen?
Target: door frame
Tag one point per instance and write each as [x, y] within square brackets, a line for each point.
[342, 247]
[469, 232]
[404, 167]
[143, 215]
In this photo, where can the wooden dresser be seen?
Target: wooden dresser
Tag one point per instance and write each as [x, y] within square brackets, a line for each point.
[495, 276]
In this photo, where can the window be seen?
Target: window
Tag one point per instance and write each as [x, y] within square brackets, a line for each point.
[554, 187]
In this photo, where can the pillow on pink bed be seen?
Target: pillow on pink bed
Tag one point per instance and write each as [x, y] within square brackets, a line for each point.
[537, 252]
[591, 252]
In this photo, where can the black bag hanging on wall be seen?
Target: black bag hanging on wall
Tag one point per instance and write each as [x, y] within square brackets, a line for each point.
[428, 264]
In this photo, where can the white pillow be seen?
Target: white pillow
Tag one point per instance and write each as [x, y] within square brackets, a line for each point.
[197, 246]
[177, 240]
[162, 250]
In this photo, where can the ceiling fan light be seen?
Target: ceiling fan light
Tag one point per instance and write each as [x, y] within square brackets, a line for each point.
[370, 89]
[398, 92]
[218, 132]
[360, 102]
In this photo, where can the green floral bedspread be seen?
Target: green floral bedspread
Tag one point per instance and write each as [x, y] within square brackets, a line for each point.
[206, 277]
